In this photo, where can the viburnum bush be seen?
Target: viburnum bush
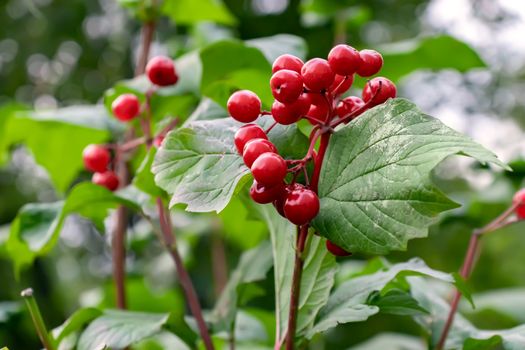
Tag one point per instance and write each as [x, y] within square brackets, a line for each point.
[322, 152]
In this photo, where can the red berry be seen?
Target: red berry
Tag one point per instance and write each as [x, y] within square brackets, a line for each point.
[244, 106]
[279, 205]
[519, 200]
[96, 158]
[301, 206]
[378, 90]
[317, 74]
[287, 61]
[264, 194]
[161, 71]
[290, 113]
[269, 169]
[108, 179]
[341, 84]
[319, 108]
[246, 133]
[286, 85]
[336, 250]
[126, 107]
[372, 61]
[344, 60]
[254, 148]
[349, 105]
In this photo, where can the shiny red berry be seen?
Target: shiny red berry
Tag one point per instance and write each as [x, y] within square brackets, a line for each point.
[344, 60]
[286, 85]
[317, 74]
[290, 113]
[279, 205]
[266, 194]
[107, 179]
[336, 250]
[341, 84]
[287, 61]
[378, 90]
[161, 71]
[349, 105]
[319, 108]
[269, 169]
[254, 148]
[246, 133]
[126, 107]
[244, 106]
[301, 206]
[96, 158]
[372, 61]
[519, 201]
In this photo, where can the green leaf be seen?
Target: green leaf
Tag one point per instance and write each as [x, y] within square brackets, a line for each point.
[208, 110]
[7, 309]
[75, 322]
[349, 301]
[200, 167]
[375, 189]
[276, 45]
[36, 228]
[144, 179]
[61, 135]
[187, 12]
[396, 302]
[228, 66]
[317, 277]
[120, 329]
[391, 341]
[253, 266]
[162, 341]
[429, 53]
[509, 302]
[462, 335]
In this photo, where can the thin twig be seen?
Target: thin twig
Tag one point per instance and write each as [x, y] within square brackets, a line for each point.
[469, 264]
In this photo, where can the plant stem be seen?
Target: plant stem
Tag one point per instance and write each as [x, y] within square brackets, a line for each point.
[302, 236]
[148, 29]
[296, 286]
[468, 266]
[38, 321]
[185, 280]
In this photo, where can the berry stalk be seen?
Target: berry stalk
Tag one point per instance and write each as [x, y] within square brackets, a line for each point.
[469, 264]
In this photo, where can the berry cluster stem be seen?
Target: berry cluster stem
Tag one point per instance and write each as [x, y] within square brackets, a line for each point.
[469, 263]
[38, 321]
[302, 237]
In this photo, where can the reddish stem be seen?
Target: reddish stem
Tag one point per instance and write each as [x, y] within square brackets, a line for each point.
[469, 264]
[148, 29]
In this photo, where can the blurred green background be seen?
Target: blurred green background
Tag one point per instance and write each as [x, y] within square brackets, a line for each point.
[56, 53]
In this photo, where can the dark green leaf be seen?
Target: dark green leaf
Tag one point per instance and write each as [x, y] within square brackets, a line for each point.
[429, 53]
[36, 229]
[375, 188]
[348, 303]
[144, 179]
[120, 329]
[396, 302]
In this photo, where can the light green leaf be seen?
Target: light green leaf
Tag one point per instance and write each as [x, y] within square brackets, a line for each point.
[75, 322]
[349, 302]
[200, 167]
[317, 277]
[36, 229]
[120, 329]
[428, 53]
[253, 266]
[144, 179]
[391, 341]
[231, 65]
[60, 135]
[187, 12]
[7, 309]
[162, 341]
[208, 110]
[375, 189]
[462, 335]
[276, 45]
[509, 302]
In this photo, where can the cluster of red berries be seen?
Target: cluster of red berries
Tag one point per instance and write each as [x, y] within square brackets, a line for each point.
[310, 91]
[160, 71]
[519, 202]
